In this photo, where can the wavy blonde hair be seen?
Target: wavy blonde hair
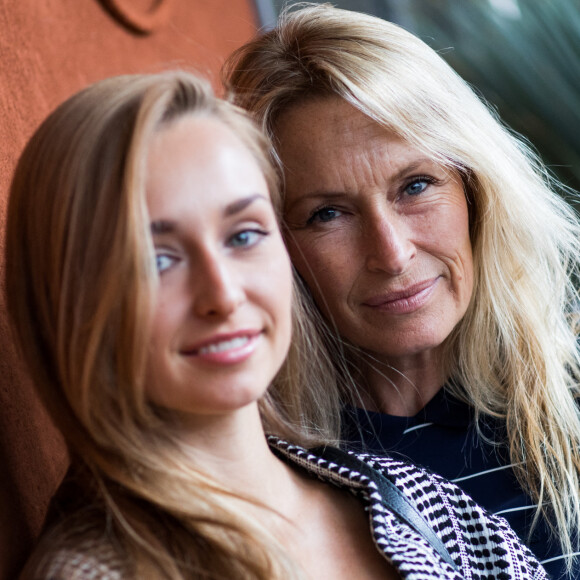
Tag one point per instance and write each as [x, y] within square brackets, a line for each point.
[80, 280]
[514, 354]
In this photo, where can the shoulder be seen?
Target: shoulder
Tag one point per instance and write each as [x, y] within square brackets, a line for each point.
[476, 539]
[480, 544]
[77, 549]
[434, 496]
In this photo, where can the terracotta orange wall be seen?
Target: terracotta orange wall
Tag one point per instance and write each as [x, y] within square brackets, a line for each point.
[48, 50]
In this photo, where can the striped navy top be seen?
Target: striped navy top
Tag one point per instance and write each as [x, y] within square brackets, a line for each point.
[443, 438]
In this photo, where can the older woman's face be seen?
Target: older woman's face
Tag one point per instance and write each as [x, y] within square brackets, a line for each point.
[378, 231]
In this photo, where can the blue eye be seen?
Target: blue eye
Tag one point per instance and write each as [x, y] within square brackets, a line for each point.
[418, 186]
[325, 214]
[246, 238]
[163, 262]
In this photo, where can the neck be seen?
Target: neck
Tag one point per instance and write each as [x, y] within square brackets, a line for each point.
[399, 386]
[233, 451]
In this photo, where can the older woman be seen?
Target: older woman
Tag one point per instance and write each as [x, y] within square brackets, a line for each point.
[438, 251]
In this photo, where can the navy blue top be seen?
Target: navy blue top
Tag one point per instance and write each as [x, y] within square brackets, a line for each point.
[443, 438]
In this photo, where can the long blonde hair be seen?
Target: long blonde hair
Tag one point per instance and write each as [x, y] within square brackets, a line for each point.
[80, 279]
[514, 354]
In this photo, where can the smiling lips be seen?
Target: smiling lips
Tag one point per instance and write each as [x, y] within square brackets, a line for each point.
[226, 348]
[404, 301]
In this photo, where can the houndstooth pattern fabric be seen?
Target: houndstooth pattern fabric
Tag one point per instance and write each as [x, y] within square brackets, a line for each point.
[76, 565]
[76, 553]
[483, 546]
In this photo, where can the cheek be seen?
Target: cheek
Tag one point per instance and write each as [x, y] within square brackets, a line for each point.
[468, 273]
[459, 249]
[277, 290]
[276, 283]
[463, 242]
[159, 330]
[277, 298]
[323, 266]
[159, 341]
[166, 314]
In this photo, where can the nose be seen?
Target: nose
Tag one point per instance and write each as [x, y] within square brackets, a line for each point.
[217, 288]
[389, 247]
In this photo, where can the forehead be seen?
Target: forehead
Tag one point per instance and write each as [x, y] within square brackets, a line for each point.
[329, 116]
[327, 142]
[198, 139]
[198, 161]
[312, 132]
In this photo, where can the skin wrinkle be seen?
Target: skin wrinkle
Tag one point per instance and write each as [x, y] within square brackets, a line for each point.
[377, 240]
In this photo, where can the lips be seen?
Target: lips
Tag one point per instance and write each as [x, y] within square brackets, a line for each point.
[224, 345]
[225, 348]
[403, 300]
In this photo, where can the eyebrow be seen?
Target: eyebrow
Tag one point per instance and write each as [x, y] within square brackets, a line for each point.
[331, 195]
[241, 204]
[411, 167]
[160, 227]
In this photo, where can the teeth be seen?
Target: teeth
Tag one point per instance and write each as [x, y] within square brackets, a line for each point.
[225, 345]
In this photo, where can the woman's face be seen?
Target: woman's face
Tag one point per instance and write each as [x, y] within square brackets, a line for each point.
[222, 320]
[378, 231]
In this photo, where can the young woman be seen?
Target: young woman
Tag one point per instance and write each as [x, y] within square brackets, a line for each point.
[151, 294]
[441, 256]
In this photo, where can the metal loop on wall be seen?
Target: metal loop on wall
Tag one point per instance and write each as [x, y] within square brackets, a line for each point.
[137, 19]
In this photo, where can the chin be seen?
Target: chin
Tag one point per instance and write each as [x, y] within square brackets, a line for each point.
[394, 349]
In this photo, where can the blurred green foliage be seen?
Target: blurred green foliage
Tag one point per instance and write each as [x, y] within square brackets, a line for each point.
[522, 56]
